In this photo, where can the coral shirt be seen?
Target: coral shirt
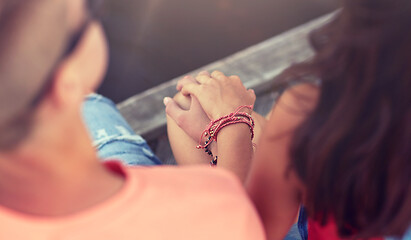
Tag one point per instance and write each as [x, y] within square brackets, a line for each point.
[154, 203]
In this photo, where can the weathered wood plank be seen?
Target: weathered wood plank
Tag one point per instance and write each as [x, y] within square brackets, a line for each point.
[257, 66]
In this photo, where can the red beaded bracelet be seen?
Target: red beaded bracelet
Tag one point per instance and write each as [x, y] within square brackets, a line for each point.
[215, 127]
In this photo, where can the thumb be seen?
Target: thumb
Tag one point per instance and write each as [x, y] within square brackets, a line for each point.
[252, 94]
[173, 110]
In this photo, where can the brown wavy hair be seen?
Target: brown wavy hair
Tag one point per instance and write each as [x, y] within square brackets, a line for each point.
[353, 152]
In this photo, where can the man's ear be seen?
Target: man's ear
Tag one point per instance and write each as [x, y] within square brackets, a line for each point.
[66, 90]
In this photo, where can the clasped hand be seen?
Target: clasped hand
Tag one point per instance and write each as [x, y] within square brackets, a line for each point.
[212, 96]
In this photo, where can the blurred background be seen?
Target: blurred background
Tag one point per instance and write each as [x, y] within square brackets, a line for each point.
[153, 41]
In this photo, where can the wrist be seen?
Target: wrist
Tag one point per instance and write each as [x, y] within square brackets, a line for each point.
[231, 136]
[231, 110]
[235, 149]
[234, 133]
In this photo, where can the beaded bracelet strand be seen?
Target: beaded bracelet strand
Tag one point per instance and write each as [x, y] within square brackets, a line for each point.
[227, 122]
[213, 161]
[215, 127]
[239, 117]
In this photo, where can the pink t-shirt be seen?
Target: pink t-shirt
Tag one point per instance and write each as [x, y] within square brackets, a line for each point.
[154, 203]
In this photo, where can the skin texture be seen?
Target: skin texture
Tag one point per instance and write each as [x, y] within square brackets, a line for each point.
[276, 192]
[57, 158]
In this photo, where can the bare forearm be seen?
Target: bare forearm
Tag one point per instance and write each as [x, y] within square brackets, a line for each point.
[235, 149]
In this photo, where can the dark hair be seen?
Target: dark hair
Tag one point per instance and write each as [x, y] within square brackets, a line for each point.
[353, 152]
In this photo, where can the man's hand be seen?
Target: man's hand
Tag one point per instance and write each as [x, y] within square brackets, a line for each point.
[187, 112]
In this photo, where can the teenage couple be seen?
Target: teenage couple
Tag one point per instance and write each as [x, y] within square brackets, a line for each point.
[340, 149]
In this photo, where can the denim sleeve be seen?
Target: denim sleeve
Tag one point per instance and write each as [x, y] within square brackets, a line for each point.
[293, 233]
[299, 230]
[112, 135]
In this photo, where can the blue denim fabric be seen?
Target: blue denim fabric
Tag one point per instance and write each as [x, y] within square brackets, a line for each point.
[299, 230]
[293, 234]
[112, 135]
[303, 223]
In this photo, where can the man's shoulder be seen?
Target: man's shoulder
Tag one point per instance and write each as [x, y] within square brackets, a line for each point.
[194, 188]
[182, 203]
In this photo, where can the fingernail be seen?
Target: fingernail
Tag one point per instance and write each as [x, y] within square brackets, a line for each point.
[166, 100]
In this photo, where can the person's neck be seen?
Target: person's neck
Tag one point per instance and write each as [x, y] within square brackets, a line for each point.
[55, 183]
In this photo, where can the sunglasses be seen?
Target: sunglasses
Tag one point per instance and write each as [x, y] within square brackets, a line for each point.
[94, 12]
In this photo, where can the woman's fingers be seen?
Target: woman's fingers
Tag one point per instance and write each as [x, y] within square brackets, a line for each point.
[205, 73]
[191, 88]
[217, 93]
[235, 78]
[218, 75]
[204, 76]
[203, 79]
[183, 81]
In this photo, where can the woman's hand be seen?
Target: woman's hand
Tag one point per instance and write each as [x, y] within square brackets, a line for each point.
[218, 94]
